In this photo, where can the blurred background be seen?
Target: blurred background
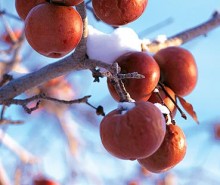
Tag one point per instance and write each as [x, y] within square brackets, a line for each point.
[63, 143]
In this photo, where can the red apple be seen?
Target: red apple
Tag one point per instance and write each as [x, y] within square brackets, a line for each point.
[135, 133]
[44, 181]
[116, 13]
[52, 30]
[23, 7]
[72, 2]
[178, 69]
[170, 153]
[143, 63]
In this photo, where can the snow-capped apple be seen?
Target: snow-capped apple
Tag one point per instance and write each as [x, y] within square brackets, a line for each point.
[133, 132]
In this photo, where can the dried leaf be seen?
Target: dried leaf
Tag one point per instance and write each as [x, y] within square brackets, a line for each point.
[189, 108]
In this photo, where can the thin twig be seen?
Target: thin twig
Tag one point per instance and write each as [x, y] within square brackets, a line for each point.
[7, 121]
[174, 102]
[119, 85]
[42, 96]
[3, 12]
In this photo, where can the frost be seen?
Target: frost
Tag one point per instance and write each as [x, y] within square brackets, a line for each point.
[125, 106]
[108, 47]
[156, 90]
[164, 110]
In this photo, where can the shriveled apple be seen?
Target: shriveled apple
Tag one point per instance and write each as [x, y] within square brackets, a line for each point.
[170, 153]
[135, 133]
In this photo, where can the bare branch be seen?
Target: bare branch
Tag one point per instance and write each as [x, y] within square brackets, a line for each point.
[21, 152]
[3, 12]
[7, 121]
[68, 133]
[186, 35]
[42, 96]
[119, 85]
[5, 79]
[134, 75]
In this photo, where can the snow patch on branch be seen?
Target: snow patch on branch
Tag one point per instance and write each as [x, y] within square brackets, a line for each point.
[108, 47]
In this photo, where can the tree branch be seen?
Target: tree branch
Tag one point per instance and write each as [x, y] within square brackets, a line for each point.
[185, 36]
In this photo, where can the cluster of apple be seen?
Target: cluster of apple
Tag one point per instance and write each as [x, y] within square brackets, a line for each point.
[52, 28]
[141, 132]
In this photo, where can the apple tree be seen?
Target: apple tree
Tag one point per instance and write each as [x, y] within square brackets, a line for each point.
[75, 98]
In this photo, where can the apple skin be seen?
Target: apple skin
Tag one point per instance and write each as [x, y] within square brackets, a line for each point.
[143, 63]
[167, 101]
[116, 13]
[170, 153]
[73, 2]
[135, 134]
[53, 31]
[178, 69]
[23, 7]
[44, 181]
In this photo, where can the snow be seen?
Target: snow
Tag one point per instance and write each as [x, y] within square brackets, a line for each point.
[108, 47]
[164, 110]
[161, 38]
[125, 106]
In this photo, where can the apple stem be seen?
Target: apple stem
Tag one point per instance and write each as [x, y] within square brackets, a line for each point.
[99, 109]
[174, 102]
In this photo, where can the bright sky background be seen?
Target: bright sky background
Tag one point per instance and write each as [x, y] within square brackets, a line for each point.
[202, 151]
